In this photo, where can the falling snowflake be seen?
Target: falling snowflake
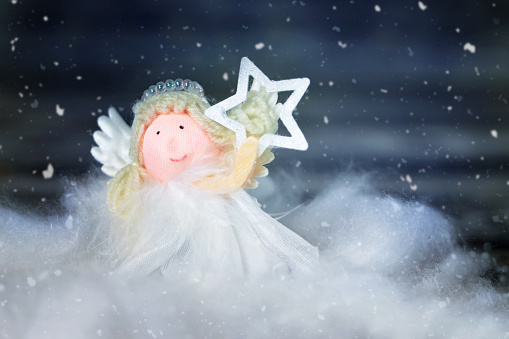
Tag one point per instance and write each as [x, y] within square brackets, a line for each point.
[469, 47]
[259, 45]
[60, 110]
[48, 172]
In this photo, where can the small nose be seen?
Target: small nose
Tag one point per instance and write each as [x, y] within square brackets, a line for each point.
[170, 142]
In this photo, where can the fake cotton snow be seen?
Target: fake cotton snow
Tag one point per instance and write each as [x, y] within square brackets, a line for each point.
[389, 269]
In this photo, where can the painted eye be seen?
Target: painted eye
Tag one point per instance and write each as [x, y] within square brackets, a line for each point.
[158, 132]
[181, 127]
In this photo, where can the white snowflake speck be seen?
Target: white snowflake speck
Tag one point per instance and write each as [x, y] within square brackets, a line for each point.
[494, 133]
[422, 6]
[469, 47]
[259, 45]
[60, 110]
[13, 46]
[48, 172]
[31, 282]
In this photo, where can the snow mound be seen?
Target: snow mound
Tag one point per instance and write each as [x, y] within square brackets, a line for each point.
[390, 268]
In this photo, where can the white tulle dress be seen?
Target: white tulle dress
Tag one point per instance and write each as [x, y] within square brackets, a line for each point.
[175, 228]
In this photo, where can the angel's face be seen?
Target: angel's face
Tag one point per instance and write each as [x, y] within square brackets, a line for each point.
[173, 142]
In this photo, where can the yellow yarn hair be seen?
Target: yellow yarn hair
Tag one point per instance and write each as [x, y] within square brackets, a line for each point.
[258, 114]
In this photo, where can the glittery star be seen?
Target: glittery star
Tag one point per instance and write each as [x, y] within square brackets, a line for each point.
[296, 140]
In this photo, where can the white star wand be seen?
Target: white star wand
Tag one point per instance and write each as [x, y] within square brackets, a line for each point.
[298, 86]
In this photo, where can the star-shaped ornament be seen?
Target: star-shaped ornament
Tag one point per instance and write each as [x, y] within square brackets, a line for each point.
[296, 140]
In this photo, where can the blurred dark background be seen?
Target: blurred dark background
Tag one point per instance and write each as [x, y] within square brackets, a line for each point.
[415, 92]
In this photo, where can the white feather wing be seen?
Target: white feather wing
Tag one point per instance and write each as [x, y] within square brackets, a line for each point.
[113, 142]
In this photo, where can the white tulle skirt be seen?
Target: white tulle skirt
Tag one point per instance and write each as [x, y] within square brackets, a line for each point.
[175, 228]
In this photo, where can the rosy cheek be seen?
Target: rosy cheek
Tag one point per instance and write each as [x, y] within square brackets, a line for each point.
[157, 157]
[153, 159]
[202, 145]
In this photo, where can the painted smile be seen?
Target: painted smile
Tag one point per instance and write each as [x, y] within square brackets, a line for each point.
[179, 160]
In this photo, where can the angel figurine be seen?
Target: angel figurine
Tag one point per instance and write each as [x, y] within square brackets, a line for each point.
[177, 192]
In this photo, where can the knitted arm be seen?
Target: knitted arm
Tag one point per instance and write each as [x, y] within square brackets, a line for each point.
[242, 171]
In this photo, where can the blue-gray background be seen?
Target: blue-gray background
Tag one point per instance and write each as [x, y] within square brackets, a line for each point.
[393, 90]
